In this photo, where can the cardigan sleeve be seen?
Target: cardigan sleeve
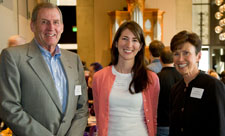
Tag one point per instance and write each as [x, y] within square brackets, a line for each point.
[155, 96]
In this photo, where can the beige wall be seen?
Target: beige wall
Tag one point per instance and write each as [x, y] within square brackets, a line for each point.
[14, 20]
[8, 27]
[101, 25]
[24, 18]
[85, 30]
[184, 15]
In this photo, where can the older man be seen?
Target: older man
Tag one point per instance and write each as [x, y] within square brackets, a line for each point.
[42, 88]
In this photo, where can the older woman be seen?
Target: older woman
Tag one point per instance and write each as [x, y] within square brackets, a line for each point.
[197, 101]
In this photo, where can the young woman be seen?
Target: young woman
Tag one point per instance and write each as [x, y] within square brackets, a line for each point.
[126, 93]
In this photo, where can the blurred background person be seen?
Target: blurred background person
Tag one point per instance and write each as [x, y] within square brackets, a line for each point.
[198, 100]
[167, 78]
[213, 73]
[222, 75]
[16, 40]
[155, 47]
[126, 93]
[94, 67]
[210, 71]
[86, 71]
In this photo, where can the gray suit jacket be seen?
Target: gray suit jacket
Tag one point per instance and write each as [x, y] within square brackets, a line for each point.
[29, 102]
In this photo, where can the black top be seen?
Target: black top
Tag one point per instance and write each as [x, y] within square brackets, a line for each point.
[167, 78]
[198, 115]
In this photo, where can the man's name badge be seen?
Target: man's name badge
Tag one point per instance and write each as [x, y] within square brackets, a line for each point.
[77, 90]
[197, 92]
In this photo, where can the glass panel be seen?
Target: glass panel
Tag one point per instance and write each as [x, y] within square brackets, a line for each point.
[157, 31]
[148, 25]
[204, 61]
[218, 59]
[148, 40]
[200, 1]
[200, 19]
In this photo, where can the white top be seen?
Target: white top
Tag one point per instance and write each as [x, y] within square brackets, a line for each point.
[126, 110]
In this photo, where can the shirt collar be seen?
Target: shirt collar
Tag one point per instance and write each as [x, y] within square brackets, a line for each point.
[156, 60]
[47, 53]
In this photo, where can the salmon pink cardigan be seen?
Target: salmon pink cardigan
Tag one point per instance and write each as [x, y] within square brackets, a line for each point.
[101, 86]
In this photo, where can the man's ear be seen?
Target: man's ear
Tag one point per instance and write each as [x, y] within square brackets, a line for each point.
[32, 26]
[62, 28]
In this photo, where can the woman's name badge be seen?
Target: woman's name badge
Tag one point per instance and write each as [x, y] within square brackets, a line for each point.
[197, 92]
[77, 90]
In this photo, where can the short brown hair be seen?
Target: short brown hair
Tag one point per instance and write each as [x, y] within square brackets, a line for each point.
[40, 6]
[155, 48]
[166, 56]
[184, 36]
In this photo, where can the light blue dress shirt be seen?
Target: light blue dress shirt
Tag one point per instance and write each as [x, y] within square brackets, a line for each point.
[57, 72]
[155, 66]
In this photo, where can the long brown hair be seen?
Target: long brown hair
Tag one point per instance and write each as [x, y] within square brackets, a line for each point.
[139, 70]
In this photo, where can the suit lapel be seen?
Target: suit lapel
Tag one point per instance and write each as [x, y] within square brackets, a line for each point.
[40, 67]
[69, 71]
